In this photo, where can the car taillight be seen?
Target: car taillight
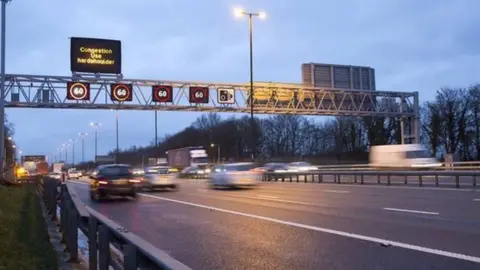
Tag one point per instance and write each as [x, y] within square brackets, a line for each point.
[103, 182]
[134, 181]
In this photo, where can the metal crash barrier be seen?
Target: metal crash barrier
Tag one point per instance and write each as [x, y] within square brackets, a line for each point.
[102, 233]
[359, 176]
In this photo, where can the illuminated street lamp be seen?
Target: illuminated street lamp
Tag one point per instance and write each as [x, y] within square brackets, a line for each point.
[83, 135]
[218, 151]
[96, 126]
[238, 13]
[72, 142]
[2, 84]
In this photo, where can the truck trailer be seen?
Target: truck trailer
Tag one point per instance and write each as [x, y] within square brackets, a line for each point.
[192, 156]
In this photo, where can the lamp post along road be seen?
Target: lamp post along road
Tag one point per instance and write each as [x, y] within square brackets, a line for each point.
[95, 126]
[82, 135]
[2, 86]
[118, 148]
[156, 131]
[239, 12]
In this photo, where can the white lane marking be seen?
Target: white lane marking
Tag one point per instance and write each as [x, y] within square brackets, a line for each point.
[330, 231]
[410, 211]
[230, 196]
[267, 196]
[476, 200]
[336, 191]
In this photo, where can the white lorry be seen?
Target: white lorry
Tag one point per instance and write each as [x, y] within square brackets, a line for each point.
[405, 156]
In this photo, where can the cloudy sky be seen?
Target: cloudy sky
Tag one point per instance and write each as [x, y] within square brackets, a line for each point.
[414, 45]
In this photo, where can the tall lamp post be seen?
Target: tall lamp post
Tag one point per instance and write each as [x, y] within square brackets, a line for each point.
[156, 130]
[118, 147]
[73, 141]
[238, 13]
[83, 135]
[64, 147]
[95, 126]
[218, 151]
[2, 86]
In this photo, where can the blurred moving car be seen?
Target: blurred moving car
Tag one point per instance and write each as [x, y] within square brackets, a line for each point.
[301, 166]
[243, 174]
[138, 172]
[112, 179]
[74, 174]
[278, 167]
[194, 172]
[55, 175]
[159, 177]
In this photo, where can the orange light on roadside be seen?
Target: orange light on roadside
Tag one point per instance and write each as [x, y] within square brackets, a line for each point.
[134, 181]
[102, 182]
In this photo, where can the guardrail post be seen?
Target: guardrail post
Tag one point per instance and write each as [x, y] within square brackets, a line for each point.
[339, 178]
[92, 243]
[320, 178]
[72, 233]
[103, 247]
[388, 180]
[283, 177]
[129, 257]
[436, 180]
[420, 180]
[355, 178]
[406, 179]
[457, 181]
[378, 179]
[474, 180]
[361, 179]
[306, 177]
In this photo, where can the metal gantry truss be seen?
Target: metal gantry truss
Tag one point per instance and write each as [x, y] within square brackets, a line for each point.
[39, 91]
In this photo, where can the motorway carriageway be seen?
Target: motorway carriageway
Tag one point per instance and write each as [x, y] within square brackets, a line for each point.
[305, 226]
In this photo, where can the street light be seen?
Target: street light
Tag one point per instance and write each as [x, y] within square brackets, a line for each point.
[218, 152]
[73, 141]
[95, 126]
[83, 135]
[238, 13]
[64, 147]
[118, 147]
[2, 85]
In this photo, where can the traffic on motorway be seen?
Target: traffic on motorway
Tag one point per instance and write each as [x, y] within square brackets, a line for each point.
[186, 201]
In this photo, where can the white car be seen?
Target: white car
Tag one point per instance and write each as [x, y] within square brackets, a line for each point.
[235, 175]
[55, 175]
[301, 166]
[159, 177]
[74, 175]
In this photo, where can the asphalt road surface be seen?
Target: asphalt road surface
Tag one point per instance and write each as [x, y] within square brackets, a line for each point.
[306, 226]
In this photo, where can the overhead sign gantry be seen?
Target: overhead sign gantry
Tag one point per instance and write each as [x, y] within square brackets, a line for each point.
[97, 83]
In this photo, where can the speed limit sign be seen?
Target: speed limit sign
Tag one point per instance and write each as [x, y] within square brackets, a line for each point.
[162, 93]
[198, 94]
[78, 91]
[121, 92]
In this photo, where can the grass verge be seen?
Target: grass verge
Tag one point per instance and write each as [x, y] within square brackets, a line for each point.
[24, 241]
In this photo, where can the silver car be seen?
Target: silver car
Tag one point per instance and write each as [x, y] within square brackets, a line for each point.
[159, 177]
[235, 175]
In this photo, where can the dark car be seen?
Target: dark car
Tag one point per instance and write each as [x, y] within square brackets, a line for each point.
[112, 180]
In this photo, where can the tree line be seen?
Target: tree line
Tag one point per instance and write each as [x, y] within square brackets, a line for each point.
[449, 124]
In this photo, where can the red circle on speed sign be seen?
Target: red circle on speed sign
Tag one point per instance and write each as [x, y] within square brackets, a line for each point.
[78, 91]
[121, 92]
[162, 93]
